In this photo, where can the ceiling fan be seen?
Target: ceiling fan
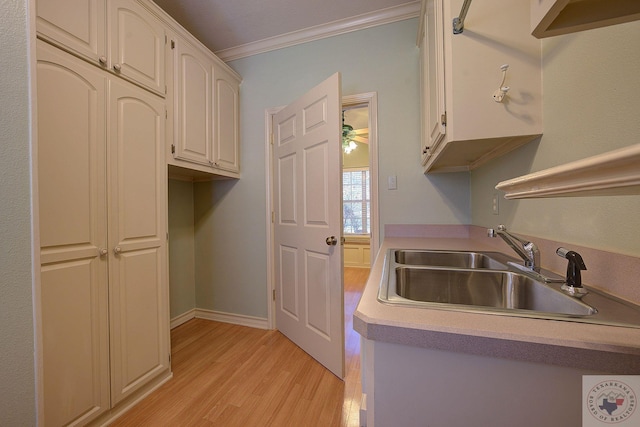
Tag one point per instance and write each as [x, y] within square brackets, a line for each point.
[350, 136]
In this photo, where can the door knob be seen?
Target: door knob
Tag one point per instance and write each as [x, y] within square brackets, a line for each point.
[331, 241]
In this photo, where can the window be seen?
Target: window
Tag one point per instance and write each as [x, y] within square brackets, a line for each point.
[356, 205]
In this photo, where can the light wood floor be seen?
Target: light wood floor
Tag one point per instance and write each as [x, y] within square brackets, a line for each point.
[229, 375]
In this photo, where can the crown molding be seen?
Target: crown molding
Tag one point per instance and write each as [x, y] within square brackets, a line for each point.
[318, 32]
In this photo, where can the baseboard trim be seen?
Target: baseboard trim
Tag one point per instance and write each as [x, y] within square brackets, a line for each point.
[363, 410]
[183, 318]
[123, 407]
[236, 319]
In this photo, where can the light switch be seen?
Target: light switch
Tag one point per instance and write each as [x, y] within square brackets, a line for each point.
[393, 182]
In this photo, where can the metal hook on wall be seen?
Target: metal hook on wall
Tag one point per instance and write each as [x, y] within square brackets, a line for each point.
[502, 90]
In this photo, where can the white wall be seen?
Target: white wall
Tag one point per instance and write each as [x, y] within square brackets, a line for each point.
[17, 378]
[230, 216]
[591, 105]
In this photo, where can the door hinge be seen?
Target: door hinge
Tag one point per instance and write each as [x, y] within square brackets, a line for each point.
[173, 149]
[169, 357]
[173, 44]
[271, 138]
[273, 294]
[443, 119]
[273, 217]
[167, 235]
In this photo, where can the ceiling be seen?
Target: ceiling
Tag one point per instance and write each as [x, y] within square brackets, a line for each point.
[236, 28]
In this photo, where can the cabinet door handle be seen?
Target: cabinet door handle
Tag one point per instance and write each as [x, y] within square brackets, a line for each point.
[102, 60]
[117, 67]
[117, 250]
[103, 252]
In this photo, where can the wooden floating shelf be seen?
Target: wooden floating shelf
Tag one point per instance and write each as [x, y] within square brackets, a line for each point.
[613, 173]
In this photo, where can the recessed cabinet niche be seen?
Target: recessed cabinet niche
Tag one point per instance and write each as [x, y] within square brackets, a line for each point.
[463, 126]
[102, 209]
[121, 36]
[205, 93]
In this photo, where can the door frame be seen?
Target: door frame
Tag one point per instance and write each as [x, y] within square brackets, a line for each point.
[370, 99]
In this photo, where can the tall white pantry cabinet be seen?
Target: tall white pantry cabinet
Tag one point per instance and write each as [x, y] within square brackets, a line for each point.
[105, 112]
[102, 187]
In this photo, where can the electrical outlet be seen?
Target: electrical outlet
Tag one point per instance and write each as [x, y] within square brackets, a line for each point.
[495, 204]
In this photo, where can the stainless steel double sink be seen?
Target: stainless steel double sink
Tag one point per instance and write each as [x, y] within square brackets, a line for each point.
[489, 282]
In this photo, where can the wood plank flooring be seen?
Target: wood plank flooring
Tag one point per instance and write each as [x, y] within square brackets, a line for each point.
[229, 375]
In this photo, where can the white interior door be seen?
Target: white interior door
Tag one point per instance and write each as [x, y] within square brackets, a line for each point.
[307, 166]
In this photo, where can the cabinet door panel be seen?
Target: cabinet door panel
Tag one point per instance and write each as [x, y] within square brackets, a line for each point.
[137, 43]
[137, 232]
[77, 25]
[433, 79]
[71, 179]
[193, 79]
[226, 152]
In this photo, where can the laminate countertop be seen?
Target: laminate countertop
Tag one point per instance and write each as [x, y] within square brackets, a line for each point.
[610, 349]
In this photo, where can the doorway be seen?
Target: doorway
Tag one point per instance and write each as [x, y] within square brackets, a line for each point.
[360, 215]
[360, 166]
[356, 187]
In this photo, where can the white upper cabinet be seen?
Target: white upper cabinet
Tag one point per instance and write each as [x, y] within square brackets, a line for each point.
[463, 124]
[121, 36]
[203, 94]
[555, 17]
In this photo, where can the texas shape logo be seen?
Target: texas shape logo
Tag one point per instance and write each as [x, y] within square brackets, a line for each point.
[611, 401]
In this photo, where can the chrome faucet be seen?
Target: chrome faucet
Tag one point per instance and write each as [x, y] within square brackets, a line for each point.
[528, 251]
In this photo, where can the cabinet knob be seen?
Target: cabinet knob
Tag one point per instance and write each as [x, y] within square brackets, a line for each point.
[117, 250]
[102, 60]
[103, 251]
[117, 67]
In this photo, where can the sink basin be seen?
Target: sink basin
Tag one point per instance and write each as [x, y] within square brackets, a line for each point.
[482, 288]
[492, 283]
[457, 259]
